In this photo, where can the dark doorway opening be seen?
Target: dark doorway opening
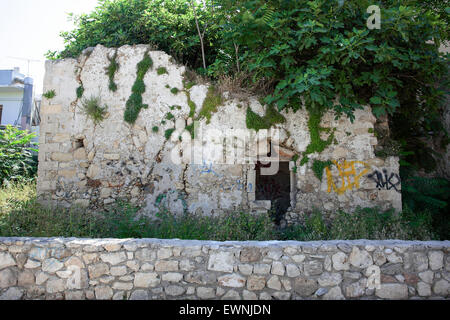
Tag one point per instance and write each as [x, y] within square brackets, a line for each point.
[276, 188]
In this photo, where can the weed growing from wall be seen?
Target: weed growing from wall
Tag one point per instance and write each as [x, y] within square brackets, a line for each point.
[134, 103]
[111, 71]
[174, 90]
[93, 109]
[50, 94]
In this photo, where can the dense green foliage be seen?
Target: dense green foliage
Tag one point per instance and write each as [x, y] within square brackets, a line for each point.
[17, 162]
[20, 215]
[431, 195]
[166, 24]
[134, 103]
[93, 108]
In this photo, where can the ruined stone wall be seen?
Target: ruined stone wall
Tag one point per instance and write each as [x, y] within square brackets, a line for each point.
[56, 268]
[94, 165]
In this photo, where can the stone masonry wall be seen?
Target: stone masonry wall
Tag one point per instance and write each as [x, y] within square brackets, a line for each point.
[94, 165]
[56, 268]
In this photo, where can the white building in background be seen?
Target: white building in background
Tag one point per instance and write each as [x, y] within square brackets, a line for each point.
[18, 106]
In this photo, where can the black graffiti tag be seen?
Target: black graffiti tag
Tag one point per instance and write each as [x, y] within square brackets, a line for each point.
[386, 181]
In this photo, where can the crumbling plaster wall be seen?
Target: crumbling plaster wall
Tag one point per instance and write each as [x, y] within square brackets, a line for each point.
[94, 165]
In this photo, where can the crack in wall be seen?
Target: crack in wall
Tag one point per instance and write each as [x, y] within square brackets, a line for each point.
[79, 69]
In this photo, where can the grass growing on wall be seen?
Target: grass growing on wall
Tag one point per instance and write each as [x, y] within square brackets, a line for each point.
[134, 103]
[50, 94]
[22, 216]
[93, 108]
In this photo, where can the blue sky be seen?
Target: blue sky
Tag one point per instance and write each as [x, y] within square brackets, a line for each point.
[29, 28]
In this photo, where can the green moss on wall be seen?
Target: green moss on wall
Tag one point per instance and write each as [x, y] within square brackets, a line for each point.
[80, 91]
[319, 166]
[168, 133]
[161, 71]
[111, 71]
[316, 144]
[212, 101]
[134, 102]
[256, 122]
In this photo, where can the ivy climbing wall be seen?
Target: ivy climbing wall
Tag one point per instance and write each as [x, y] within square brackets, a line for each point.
[119, 115]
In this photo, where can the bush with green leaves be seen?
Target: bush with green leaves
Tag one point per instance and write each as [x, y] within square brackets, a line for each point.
[17, 162]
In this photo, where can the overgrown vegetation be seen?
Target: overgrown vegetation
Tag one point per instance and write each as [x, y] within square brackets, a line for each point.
[134, 103]
[271, 117]
[50, 94]
[17, 161]
[298, 51]
[431, 195]
[111, 71]
[367, 223]
[93, 108]
[21, 216]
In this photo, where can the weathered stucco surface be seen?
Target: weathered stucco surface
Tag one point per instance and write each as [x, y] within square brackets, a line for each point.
[94, 165]
[78, 269]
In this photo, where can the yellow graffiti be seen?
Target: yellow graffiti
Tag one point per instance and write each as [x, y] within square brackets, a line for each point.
[346, 172]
